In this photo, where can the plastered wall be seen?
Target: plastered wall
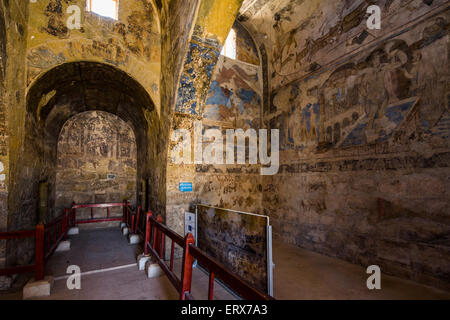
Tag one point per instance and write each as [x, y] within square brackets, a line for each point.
[363, 115]
[96, 162]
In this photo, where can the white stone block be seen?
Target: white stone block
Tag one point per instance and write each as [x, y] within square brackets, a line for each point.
[36, 289]
[153, 270]
[73, 231]
[142, 261]
[125, 231]
[134, 238]
[63, 246]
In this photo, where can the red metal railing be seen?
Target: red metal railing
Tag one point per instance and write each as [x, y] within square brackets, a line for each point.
[106, 206]
[135, 221]
[154, 245]
[154, 232]
[48, 236]
[38, 266]
[55, 232]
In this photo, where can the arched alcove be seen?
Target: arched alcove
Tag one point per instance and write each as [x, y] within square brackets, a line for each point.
[60, 94]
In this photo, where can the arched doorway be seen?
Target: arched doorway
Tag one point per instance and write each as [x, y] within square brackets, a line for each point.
[60, 94]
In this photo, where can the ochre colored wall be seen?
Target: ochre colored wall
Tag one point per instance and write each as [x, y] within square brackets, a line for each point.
[12, 102]
[38, 44]
[233, 102]
[131, 43]
[363, 115]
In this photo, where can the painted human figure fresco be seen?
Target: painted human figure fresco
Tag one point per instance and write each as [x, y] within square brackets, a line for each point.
[374, 87]
[396, 77]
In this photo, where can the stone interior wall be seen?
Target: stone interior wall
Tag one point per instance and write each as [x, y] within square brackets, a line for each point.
[206, 25]
[177, 18]
[130, 44]
[233, 102]
[3, 125]
[13, 18]
[237, 240]
[363, 115]
[96, 163]
[108, 65]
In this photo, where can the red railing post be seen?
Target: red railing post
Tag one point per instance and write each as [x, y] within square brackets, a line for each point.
[211, 286]
[160, 238]
[155, 232]
[138, 219]
[148, 230]
[74, 215]
[133, 216]
[65, 223]
[172, 251]
[128, 214]
[186, 273]
[39, 273]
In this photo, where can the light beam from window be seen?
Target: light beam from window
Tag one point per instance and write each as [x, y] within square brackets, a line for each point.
[105, 8]
[229, 49]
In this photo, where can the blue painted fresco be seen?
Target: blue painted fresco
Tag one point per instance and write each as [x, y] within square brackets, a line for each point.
[442, 127]
[187, 96]
[357, 137]
[395, 114]
[218, 96]
[306, 117]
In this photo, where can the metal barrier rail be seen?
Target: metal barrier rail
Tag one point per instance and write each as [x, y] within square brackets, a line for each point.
[217, 270]
[154, 245]
[37, 267]
[106, 206]
[48, 236]
[55, 232]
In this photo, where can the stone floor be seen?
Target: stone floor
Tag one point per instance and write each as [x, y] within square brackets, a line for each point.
[302, 274]
[95, 250]
[298, 274]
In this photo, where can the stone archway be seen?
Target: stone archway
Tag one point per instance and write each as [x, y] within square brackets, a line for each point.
[54, 98]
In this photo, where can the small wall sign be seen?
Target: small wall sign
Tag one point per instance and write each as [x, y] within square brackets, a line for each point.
[185, 187]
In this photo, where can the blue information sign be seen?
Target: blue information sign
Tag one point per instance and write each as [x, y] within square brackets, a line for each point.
[186, 187]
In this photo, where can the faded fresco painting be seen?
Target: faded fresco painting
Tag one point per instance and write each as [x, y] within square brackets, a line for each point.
[234, 96]
[369, 99]
[96, 161]
[237, 240]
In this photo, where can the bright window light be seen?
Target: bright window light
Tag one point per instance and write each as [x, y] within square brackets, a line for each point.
[229, 49]
[105, 8]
